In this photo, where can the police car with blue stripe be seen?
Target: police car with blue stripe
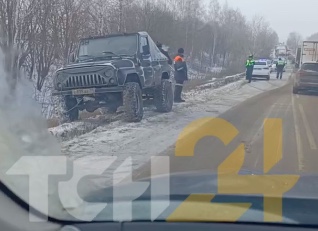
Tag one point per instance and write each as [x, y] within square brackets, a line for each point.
[262, 69]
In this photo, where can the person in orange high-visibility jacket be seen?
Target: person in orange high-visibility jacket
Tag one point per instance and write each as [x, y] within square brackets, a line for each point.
[180, 75]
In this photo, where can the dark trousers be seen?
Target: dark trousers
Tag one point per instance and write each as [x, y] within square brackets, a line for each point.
[279, 74]
[178, 90]
[249, 74]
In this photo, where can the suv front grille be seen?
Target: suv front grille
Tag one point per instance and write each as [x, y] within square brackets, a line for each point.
[85, 80]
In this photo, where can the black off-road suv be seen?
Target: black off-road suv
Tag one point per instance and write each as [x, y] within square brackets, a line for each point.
[113, 71]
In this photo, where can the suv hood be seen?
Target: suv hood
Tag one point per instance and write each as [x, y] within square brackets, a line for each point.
[100, 64]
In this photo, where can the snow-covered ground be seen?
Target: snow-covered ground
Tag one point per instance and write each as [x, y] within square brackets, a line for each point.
[157, 131]
[70, 130]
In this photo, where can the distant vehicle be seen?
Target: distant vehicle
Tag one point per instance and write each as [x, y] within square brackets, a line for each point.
[270, 65]
[285, 60]
[306, 77]
[261, 70]
[281, 50]
[309, 52]
[274, 64]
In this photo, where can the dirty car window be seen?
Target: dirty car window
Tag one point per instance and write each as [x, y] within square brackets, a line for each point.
[310, 67]
[120, 45]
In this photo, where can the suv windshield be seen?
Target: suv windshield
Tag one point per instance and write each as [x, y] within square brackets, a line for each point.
[118, 45]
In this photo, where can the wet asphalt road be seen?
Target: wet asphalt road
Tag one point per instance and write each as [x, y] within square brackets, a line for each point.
[285, 143]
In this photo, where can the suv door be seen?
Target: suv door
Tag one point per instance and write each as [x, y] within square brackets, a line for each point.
[146, 60]
[159, 61]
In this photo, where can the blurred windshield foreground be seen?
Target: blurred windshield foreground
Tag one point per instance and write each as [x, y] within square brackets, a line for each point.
[37, 38]
[25, 135]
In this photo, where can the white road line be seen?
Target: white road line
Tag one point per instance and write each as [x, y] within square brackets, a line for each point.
[270, 112]
[299, 145]
[297, 96]
[310, 136]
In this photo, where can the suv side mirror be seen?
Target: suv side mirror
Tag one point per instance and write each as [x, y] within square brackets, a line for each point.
[146, 50]
[72, 58]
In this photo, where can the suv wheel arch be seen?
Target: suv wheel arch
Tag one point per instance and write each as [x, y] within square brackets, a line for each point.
[130, 75]
[133, 77]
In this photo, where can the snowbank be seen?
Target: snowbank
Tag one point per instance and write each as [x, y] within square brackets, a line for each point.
[70, 130]
[215, 83]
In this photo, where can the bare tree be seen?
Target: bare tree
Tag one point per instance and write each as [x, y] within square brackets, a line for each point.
[46, 38]
[262, 38]
[39, 35]
[293, 40]
[15, 15]
[313, 37]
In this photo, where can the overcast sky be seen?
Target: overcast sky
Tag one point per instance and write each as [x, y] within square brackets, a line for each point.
[284, 16]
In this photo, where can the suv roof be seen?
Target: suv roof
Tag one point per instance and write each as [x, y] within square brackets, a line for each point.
[114, 35]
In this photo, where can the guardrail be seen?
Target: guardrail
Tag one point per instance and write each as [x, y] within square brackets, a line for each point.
[222, 81]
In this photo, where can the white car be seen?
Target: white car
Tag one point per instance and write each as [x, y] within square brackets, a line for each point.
[273, 67]
[269, 63]
[261, 70]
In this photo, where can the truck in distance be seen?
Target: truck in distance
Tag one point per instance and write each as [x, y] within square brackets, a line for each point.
[307, 62]
[309, 52]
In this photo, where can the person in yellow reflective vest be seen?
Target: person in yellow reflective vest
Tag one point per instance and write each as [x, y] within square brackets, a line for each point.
[280, 68]
[250, 62]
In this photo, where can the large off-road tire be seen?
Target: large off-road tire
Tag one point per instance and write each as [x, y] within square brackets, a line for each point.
[67, 110]
[132, 102]
[163, 96]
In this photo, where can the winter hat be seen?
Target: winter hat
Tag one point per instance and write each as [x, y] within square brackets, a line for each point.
[180, 50]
